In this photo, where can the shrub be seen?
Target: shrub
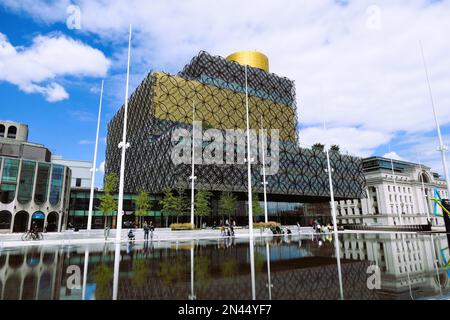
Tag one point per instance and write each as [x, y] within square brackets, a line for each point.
[268, 225]
[181, 226]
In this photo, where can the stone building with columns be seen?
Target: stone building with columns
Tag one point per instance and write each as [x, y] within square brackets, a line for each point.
[399, 193]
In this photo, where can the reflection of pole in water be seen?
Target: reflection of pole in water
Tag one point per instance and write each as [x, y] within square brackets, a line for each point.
[338, 261]
[192, 295]
[252, 267]
[85, 272]
[269, 283]
[116, 271]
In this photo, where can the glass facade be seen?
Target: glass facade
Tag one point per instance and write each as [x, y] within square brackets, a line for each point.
[40, 194]
[26, 181]
[9, 180]
[56, 184]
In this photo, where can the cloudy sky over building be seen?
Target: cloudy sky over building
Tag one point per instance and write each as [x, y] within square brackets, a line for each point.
[356, 64]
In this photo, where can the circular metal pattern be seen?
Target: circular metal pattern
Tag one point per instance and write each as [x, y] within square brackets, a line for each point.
[163, 103]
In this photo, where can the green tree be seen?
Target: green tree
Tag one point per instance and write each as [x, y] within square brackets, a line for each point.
[181, 204]
[202, 207]
[142, 203]
[335, 148]
[318, 147]
[169, 204]
[227, 204]
[257, 209]
[107, 201]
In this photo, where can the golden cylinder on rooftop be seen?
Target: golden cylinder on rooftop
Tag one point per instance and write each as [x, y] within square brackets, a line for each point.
[251, 58]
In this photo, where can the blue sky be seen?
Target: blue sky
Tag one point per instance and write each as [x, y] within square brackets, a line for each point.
[357, 62]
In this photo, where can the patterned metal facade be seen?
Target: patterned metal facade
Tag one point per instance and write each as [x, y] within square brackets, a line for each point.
[163, 103]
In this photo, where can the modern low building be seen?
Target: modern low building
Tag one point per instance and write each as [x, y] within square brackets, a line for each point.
[402, 196]
[81, 171]
[33, 190]
[162, 105]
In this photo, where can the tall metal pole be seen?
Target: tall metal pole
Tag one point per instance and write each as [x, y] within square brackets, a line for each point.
[263, 151]
[333, 213]
[94, 164]
[395, 187]
[123, 145]
[193, 177]
[442, 148]
[249, 163]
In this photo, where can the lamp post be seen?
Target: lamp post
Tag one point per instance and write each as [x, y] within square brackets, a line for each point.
[249, 161]
[193, 177]
[442, 148]
[263, 151]
[94, 164]
[123, 145]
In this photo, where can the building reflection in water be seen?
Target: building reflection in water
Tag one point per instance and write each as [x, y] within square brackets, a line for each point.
[288, 267]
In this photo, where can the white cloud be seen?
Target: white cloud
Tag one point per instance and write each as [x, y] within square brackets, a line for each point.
[102, 167]
[371, 82]
[34, 69]
[393, 155]
[352, 140]
[86, 142]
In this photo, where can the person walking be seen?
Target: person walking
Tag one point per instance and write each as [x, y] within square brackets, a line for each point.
[299, 226]
[146, 230]
[152, 228]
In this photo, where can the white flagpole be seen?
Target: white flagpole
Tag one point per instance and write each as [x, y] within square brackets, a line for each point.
[249, 163]
[335, 230]
[94, 164]
[263, 151]
[123, 145]
[192, 177]
[442, 148]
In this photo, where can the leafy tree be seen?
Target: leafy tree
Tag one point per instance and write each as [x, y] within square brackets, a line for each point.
[227, 204]
[318, 147]
[142, 205]
[107, 201]
[257, 209]
[335, 148]
[181, 206]
[111, 184]
[169, 204]
[202, 207]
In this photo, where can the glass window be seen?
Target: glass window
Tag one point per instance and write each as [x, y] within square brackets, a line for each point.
[9, 180]
[26, 181]
[78, 182]
[2, 130]
[56, 184]
[40, 194]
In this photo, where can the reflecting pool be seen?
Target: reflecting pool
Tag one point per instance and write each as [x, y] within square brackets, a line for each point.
[360, 266]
